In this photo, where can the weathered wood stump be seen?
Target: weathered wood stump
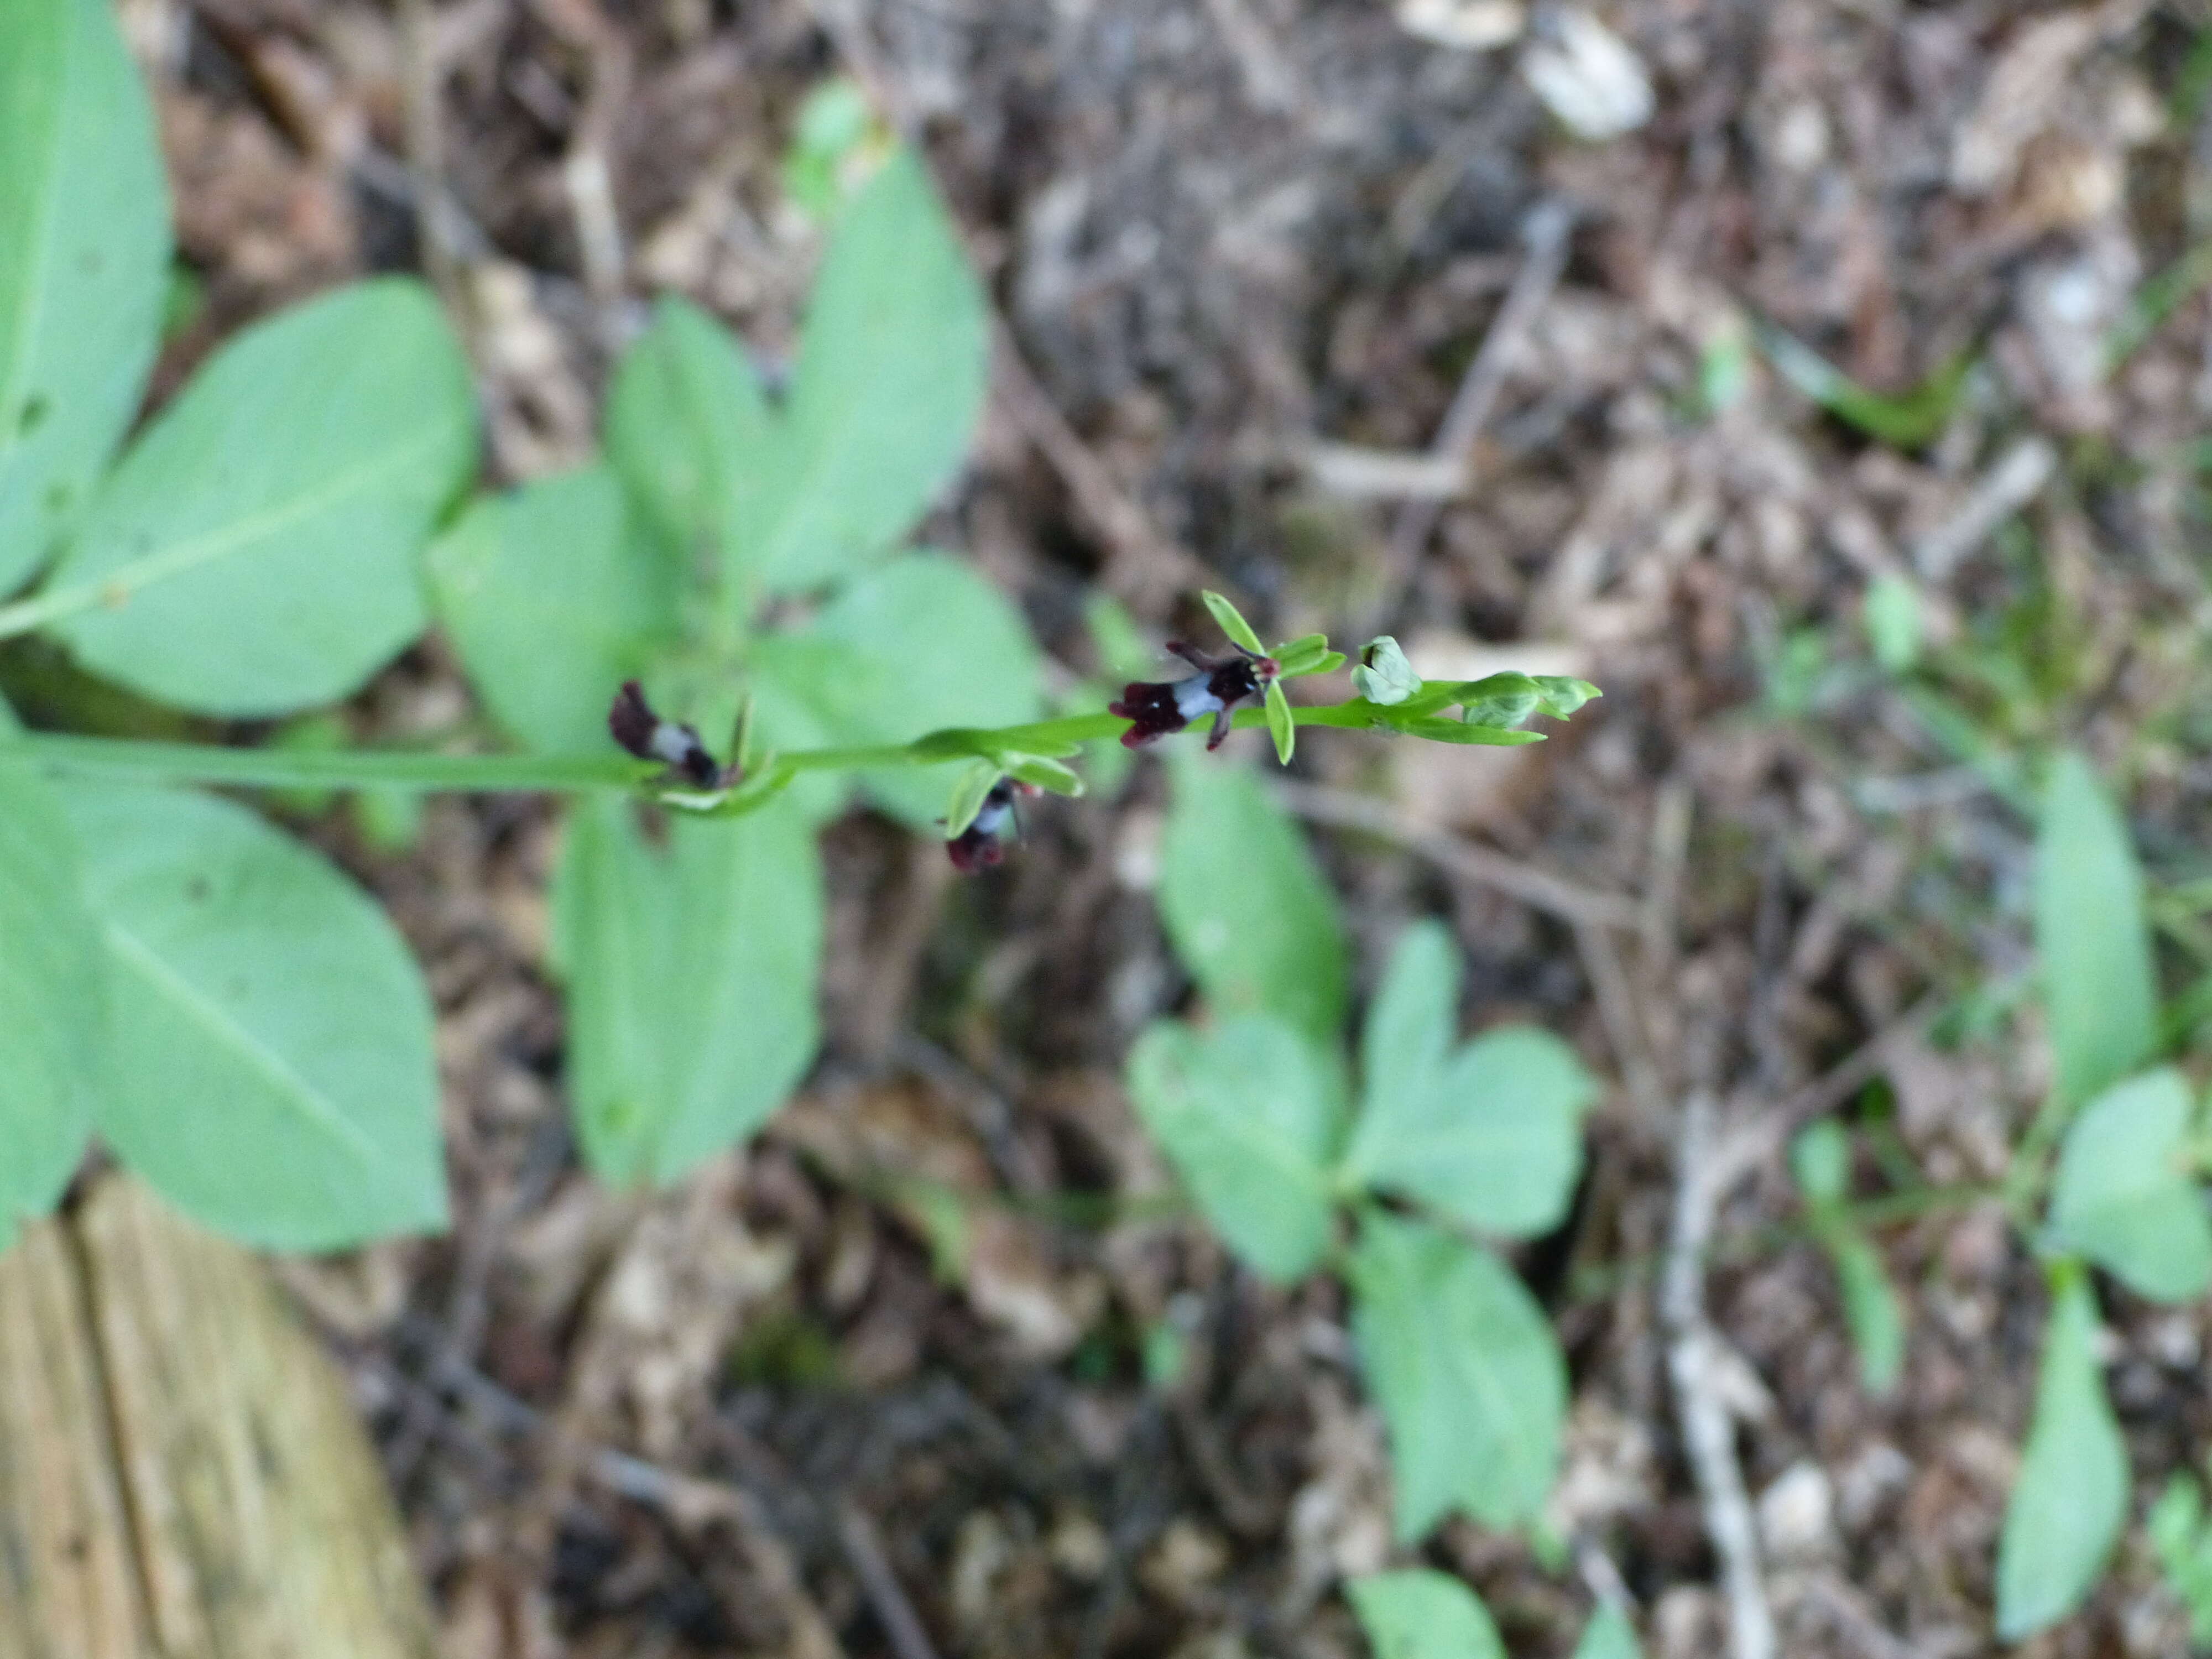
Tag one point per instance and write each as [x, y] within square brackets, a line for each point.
[182, 1475]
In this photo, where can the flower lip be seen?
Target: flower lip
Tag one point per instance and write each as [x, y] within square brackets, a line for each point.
[633, 724]
[1156, 708]
[982, 844]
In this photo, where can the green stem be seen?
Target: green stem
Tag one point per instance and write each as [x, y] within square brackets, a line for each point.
[358, 769]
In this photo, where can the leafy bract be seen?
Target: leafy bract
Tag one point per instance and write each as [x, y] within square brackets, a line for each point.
[1250, 1115]
[688, 429]
[2090, 935]
[85, 263]
[2068, 1505]
[269, 1060]
[1245, 903]
[256, 549]
[893, 363]
[2122, 1196]
[1420, 1613]
[53, 999]
[1471, 1381]
[691, 959]
[1491, 1138]
[554, 594]
[920, 645]
[1231, 621]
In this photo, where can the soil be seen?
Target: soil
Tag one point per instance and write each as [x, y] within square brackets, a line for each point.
[752, 1414]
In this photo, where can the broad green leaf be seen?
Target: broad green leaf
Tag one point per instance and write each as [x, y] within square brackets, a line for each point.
[1245, 904]
[968, 791]
[1250, 1115]
[1870, 1308]
[691, 959]
[923, 643]
[1493, 1138]
[1413, 1018]
[1383, 676]
[688, 430]
[53, 999]
[259, 546]
[84, 264]
[2090, 935]
[2068, 1505]
[1420, 1613]
[893, 364]
[269, 1061]
[554, 594]
[1280, 726]
[1463, 1364]
[2122, 1196]
[1231, 621]
[1609, 1636]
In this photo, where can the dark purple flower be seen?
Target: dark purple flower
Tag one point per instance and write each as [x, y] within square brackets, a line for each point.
[982, 844]
[647, 735]
[1156, 708]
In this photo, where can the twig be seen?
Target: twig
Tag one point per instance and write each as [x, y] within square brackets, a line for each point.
[2007, 487]
[1342, 810]
[1621, 1015]
[1706, 1431]
[1544, 234]
[865, 1550]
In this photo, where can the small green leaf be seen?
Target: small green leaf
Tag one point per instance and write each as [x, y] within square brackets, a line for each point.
[1870, 1307]
[892, 369]
[1231, 622]
[1043, 772]
[1908, 421]
[691, 966]
[52, 998]
[1384, 676]
[1892, 622]
[1299, 656]
[2122, 1196]
[1280, 726]
[1609, 1636]
[2090, 936]
[263, 539]
[84, 264]
[1411, 1020]
[269, 1061]
[554, 595]
[2067, 1507]
[1250, 1116]
[1420, 1613]
[1820, 1158]
[689, 431]
[1442, 731]
[1327, 663]
[974, 782]
[923, 643]
[1502, 700]
[1464, 1365]
[1493, 1138]
[1559, 695]
[1246, 906]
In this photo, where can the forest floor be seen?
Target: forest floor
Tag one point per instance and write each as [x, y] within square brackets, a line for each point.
[751, 1415]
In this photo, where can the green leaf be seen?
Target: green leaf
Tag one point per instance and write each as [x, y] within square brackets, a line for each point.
[1302, 655]
[1420, 1613]
[892, 371]
[688, 430]
[1908, 421]
[84, 264]
[1245, 904]
[1441, 730]
[1492, 1138]
[923, 643]
[1464, 1365]
[554, 594]
[1231, 621]
[692, 960]
[2067, 1507]
[1280, 726]
[2122, 1196]
[269, 1065]
[1870, 1307]
[1609, 1636]
[1384, 676]
[1501, 700]
[1892, 615]
[261, 541]
[1820, 1158]
[1413, 1018]
[2090, 936]
[1042, 773]
[53, 999]
[1250, 1115]
[976, 781]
